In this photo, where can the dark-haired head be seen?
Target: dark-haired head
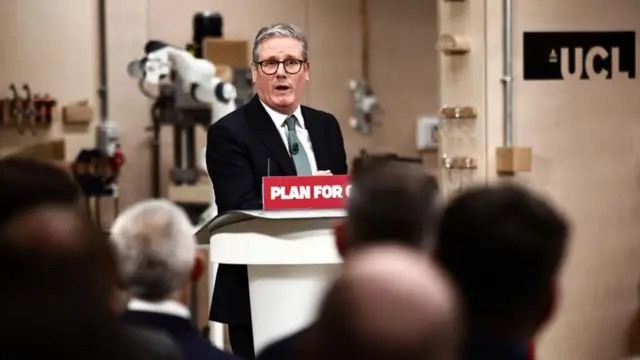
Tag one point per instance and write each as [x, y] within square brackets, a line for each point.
[27, 183]
[503, 245]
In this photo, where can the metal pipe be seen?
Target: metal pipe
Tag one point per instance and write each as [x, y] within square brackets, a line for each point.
[156, 113]
[364, 28]
[507, 78]
[155, 162]
[102, 31]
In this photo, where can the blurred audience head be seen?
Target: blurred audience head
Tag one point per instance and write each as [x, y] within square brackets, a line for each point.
[27, 183]
[57, 241]
[156, 250]
[503, 246]
[390, 200]
[55, 292]
[391, 302]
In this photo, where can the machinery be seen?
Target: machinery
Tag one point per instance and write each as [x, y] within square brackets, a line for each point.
[365, 105]
[205, 24]
[97, 169]
[189, 94]
[365, 102]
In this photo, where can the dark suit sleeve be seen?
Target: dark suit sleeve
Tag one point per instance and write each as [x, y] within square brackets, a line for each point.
[230, 171]
[340, 155]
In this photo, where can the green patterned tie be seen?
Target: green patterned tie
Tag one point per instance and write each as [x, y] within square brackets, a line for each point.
[296, 149]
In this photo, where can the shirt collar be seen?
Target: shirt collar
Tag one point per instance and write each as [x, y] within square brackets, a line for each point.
[167, 307]
[279, 118]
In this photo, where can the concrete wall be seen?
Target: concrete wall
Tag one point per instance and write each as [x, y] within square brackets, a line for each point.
[584, 136]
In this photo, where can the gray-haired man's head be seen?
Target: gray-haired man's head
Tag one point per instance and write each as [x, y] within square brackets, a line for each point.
[156, 249]
[280, 30]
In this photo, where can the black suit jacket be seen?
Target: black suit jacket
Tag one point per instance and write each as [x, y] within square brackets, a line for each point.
[474, 349]
[242, 148]
[484, 348]
[153, 344]
[182, 331]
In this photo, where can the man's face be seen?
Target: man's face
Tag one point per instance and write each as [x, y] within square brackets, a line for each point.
[280, 89]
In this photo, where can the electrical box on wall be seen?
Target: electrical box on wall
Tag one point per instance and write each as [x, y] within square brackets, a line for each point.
[427, 133]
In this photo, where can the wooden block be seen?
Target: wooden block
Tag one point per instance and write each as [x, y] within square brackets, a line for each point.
[190, 194]
[513, 159]
[450, 44]
[79, 113]
[52, 151]
[458, 112]
[234, 53]
[225, 73]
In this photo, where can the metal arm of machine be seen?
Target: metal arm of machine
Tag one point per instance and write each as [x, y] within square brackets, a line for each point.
[191, 80]
[198, 76]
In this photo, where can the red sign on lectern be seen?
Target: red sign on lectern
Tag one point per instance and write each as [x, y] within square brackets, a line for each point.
[305, 192]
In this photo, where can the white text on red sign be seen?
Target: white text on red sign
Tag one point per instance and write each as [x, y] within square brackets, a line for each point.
[307, 192]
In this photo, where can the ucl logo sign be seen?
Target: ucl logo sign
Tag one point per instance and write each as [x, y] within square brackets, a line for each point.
[579, 55]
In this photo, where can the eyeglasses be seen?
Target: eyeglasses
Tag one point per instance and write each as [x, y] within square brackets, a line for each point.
[270, 67]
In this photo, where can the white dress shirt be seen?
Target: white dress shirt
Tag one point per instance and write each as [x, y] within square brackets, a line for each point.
[301, 131]
[167, 307]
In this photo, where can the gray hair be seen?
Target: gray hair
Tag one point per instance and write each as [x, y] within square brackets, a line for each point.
[155, 245]
[280, 30]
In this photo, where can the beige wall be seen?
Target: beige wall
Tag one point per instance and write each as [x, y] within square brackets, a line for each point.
[44, 47]
[586, 147]
[585, 144]
[54, 47]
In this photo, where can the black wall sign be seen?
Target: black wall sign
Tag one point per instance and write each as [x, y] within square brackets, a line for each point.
[579, 55]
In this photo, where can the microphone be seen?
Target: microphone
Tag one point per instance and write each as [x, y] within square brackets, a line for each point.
[295, 148]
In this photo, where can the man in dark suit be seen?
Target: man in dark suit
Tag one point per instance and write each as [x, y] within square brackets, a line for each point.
[56, 299]
[390, 302]
[503, 246]
[271, 135]
[157, 256]
[29, 189]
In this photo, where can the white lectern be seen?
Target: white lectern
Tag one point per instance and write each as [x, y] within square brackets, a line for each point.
[291, 257]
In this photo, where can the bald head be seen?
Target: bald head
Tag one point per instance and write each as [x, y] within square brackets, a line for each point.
[390, 303]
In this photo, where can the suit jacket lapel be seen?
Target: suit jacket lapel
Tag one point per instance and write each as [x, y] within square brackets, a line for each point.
[317, 136]
[269, 135]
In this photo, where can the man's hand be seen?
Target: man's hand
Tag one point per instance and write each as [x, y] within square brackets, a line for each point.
[323, 173]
